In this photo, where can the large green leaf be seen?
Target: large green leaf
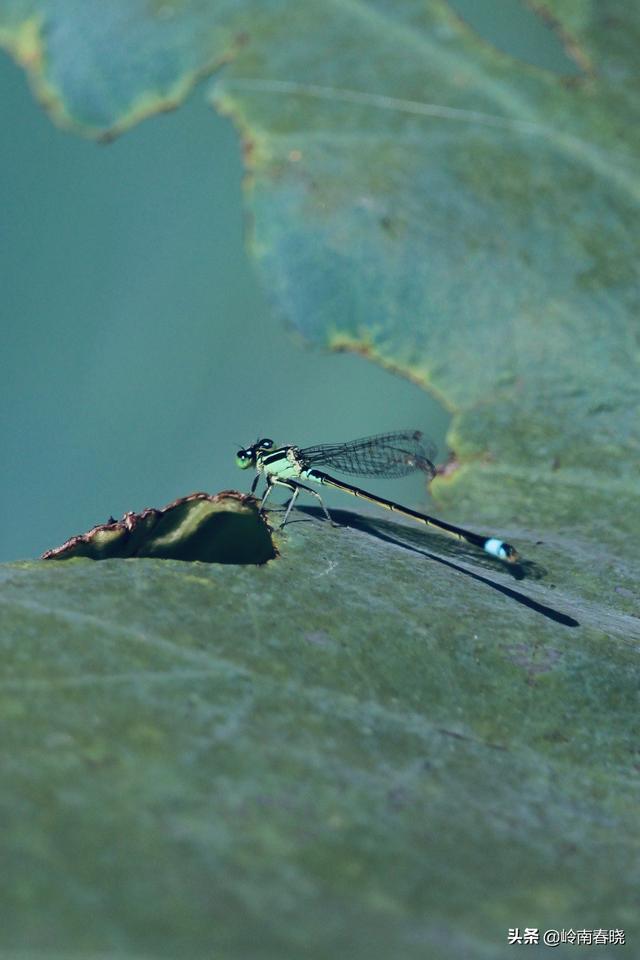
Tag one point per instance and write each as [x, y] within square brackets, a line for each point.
[370, 747]
[358, 750]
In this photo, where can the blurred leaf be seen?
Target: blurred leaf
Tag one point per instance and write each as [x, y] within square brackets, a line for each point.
[421, 197]
[370, 747]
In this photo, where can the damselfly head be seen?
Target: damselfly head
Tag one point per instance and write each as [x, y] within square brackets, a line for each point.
[247, 457]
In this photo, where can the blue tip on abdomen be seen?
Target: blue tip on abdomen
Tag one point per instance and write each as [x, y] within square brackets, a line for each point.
[496, 548]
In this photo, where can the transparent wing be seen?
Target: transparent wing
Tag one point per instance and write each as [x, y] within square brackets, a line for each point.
[384, 455]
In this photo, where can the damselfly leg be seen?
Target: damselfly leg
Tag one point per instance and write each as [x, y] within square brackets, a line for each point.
[295, 489]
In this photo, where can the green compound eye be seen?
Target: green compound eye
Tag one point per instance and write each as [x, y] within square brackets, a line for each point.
[243, 459]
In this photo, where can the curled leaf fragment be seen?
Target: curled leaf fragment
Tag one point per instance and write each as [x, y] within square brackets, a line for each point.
[213, 528]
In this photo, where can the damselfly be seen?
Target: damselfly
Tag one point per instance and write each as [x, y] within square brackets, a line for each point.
[384, 455]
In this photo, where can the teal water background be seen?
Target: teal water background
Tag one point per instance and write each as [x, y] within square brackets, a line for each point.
[138, 350]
